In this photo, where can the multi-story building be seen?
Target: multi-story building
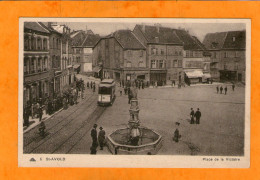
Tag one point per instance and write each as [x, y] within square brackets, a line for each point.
[77, 38]
[228, 55]
[121, 56]
[36, 61]
[196, 61]
[66, 73]
[164, 51]
[88, 44]
[55, 60]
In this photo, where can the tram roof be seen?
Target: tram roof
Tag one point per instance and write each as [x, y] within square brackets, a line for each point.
[107, 81]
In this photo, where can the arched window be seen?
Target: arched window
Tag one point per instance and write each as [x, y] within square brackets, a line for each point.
[26, 42]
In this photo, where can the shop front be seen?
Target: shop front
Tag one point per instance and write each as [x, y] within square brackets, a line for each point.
[158, 76]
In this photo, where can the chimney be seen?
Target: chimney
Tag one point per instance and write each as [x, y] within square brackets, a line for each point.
[157, 25]
[143, 27]
[49, 24]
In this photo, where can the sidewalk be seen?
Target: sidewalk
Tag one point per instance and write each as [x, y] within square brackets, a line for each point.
[192, 85]
[33, 122]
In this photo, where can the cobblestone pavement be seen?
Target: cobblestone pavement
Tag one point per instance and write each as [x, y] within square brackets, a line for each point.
[221, 131]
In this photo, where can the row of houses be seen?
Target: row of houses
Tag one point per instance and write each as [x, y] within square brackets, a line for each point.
[48, 60]
[53, 52]
[152, 53]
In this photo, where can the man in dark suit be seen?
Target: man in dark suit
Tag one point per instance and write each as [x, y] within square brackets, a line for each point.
[192, 116]
[198, 115]
[94, 136]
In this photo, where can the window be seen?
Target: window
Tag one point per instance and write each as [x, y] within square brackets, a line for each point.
[141, 53]
[128, 64]
[129, 53]
[225, 54]
[25, 66]
[162, 52]
[175, 63]
[236, 54]
[154, 51]
[26, 42]
[141, 64]
[39, 64]
[39, 44]
[161, 64]
[179, 63]
[180, 53]
[44, 44]
[225, 66]
[234, 39]
[33, 65]
[236, 66]
[57, 43]
[45, 64]
[153, 64]
[33, 43]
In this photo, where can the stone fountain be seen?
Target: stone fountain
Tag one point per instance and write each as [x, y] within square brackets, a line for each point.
[134, 139]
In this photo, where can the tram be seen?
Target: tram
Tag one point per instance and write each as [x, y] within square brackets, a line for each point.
[106, 92]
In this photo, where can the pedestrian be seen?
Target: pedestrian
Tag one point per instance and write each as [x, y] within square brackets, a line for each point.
[225, 90]
[192, 116]
[94, 136]
[88, 85]
[94, 88]
[65, 104]
[221, 89]
[142, 85]
[198, 115]
[125, 90]
[233, 87]
[129, 95]
[40, 113]
[139, 85]
[217, 89]
[91, 84]
[120, 83]
[50, 107]
[177, 135]
[93, 150]
[101, 138]
[26, 114]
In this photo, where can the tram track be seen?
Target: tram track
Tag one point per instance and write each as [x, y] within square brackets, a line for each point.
[68, 122]
[82, 130]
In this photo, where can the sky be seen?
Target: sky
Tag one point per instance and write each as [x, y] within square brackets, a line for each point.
[196, 29]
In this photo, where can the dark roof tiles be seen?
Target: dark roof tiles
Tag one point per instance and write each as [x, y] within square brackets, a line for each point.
[35, 26]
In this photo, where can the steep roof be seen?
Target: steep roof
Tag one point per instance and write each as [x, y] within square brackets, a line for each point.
[127, 39]
[90, 40]
[36, 27]
[50, 28]
[225, 40]
[235, 40]
[77, 38]
[189, 42]
[159, 34]
[214, 40]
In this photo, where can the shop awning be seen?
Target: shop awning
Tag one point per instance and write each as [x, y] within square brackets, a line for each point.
[194, 74]
[206, 75]
[96, 69]
[76, 66]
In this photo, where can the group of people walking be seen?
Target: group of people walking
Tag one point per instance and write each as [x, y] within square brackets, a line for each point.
[195, 116]
[221, 90]
[91, 85]
[97, 139]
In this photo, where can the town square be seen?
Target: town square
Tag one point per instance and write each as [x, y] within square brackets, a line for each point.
[142, 88]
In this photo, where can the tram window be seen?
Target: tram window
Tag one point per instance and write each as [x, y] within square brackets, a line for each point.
[104, 90]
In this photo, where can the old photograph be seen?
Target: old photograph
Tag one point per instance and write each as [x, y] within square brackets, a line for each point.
[134, 92]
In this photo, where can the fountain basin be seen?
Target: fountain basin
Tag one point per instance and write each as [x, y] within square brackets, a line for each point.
[149, 142]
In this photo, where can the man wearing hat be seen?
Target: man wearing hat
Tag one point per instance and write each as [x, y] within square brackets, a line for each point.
[101, 138]
[94, 136]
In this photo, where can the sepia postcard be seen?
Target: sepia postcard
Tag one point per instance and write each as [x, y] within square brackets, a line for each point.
[134, 92]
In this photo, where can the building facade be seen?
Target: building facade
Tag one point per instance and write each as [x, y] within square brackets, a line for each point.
[36, 62]
[228, 60]
[164, 53]
[121, 56]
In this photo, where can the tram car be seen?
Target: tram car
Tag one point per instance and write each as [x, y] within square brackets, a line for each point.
[106, 92]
